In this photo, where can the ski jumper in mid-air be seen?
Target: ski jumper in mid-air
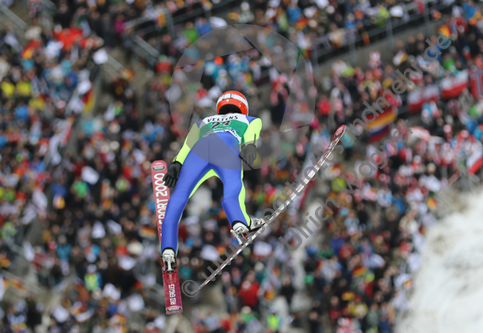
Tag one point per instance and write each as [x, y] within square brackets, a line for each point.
[215, 146]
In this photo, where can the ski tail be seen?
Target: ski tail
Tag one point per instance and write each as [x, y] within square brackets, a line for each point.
[172, 292]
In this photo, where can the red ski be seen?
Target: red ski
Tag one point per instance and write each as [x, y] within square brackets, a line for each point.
[172, 292]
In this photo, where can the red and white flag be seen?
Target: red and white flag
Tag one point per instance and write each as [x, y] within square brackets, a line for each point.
[452, 87]
[475, 160]
[418, 97]
[416, 101]
[431, 93]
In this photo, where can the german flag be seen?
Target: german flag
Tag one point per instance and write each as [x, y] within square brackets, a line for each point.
[386, 118]
[89, 100]
[147, 232]
[445, 30]
[28, 51]
[359, 271]
[302, 23]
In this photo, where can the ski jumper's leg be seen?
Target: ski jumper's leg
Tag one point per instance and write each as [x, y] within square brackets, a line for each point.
[228, 165]
[193, 170]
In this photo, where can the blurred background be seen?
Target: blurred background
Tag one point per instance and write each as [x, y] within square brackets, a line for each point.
[83, 113]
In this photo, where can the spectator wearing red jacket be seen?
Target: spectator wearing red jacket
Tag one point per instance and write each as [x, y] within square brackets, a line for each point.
[324, 107]
[249, 294]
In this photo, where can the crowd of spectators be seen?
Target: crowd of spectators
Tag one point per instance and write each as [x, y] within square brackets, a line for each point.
[327, 24]
[37, 79]
[317, 24]
[373, 243]
[101, 232]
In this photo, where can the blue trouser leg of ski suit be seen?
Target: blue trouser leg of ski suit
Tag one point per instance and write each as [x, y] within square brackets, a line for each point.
[216, 153]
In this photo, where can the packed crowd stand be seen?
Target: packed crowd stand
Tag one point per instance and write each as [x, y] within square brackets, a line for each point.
[38, 77]
[101, 227]
[312, 25]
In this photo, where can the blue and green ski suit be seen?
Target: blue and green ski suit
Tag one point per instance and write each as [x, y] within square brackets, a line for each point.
[211, 148]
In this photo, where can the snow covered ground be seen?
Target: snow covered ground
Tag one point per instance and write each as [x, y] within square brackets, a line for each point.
[447, 296]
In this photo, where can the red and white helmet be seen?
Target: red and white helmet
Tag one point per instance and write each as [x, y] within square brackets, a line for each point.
[232, 102]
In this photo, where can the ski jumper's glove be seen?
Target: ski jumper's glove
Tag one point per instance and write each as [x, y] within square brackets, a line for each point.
[249, 153]
[171, 177]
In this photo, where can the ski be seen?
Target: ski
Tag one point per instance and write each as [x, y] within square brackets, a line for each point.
[172, 293]
[249, 239]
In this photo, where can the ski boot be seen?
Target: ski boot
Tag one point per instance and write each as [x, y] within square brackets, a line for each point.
[169, 261]
[241, 231]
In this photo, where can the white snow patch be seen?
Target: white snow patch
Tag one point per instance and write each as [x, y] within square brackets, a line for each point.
[448, 289]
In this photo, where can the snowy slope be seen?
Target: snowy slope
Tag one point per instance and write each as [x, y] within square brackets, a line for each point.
[448, 289]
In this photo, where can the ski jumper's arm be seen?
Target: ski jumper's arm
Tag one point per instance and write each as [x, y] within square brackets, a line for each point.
[189, 142]
[253, 131]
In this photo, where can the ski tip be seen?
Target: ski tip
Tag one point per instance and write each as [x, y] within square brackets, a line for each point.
[340, 131]
[158, 165]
